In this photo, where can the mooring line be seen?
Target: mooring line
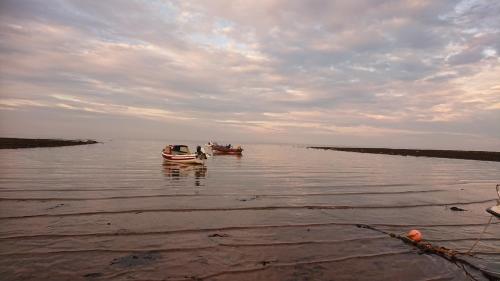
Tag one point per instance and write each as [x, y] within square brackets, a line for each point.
[448, 254]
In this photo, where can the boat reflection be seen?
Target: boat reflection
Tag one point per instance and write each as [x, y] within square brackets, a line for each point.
[237, 156]
[176, 171]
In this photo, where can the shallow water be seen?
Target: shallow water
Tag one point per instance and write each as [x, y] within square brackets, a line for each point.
[114, 211]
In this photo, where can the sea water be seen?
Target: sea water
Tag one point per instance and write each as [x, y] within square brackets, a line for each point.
[116, 211]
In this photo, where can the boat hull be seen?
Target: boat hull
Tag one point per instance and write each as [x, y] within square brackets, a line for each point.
[223, 150]
[184, 159]
[495, 210]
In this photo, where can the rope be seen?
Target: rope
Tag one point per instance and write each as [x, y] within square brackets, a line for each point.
[487, 225]
[480, 235]
[448, 254]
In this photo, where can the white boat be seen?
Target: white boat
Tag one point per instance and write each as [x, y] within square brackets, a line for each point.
[179, 153]
[495, 210]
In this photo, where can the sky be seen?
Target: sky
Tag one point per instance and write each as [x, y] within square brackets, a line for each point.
[373, 73]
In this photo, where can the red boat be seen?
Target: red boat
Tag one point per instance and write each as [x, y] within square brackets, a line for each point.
[225, 149]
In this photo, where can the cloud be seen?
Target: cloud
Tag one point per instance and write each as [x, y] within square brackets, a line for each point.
[280, 68]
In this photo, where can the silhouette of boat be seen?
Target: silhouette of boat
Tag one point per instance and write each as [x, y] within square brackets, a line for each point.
[218, 149]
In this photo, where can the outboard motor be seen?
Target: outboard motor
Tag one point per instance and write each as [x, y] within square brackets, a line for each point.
[200, 153]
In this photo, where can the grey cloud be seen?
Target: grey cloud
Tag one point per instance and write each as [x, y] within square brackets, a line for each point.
[380, 64]
[466, 57]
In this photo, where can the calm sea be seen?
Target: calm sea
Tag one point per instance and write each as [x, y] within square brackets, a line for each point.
[115, 211]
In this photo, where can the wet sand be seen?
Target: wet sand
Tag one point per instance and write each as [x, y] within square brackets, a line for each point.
[452, 154]
[13, 143]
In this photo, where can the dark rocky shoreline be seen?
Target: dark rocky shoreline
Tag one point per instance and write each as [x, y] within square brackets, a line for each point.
[12, 143]
[453, 154]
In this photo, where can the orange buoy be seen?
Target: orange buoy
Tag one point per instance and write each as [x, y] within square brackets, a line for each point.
[414, 235]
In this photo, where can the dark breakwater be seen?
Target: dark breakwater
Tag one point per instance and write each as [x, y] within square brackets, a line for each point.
[12, 143]
[453, 154]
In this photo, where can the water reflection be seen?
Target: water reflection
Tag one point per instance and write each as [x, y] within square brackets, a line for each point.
[237, 156]
[175, 171]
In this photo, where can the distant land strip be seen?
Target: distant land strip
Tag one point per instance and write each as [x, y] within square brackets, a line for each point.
[454, 154]
[9, 143]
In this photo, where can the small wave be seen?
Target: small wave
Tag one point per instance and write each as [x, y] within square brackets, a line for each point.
[257, 208]
[227, 228]
[216, 195]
